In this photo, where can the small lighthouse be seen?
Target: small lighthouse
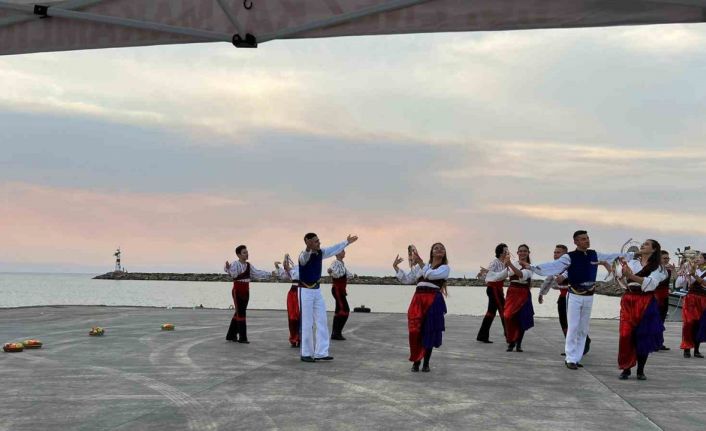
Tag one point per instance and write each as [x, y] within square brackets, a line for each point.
[118, 267]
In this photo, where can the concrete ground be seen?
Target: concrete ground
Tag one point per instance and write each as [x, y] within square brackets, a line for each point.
[138, 377]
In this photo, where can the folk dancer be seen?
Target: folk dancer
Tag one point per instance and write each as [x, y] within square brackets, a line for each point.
[425, 316]
[662, 291]
[641, 327]
[339, 278]
[560, 283]
[518, 313]
[314, 330]
[694, 307]
[242, 272]
[290, 272]
[582, 267]
[495, 277]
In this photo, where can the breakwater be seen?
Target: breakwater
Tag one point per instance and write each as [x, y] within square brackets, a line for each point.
[602, 288]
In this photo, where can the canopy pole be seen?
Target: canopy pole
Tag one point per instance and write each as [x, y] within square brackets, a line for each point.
[695, 3]
[51, 11]
[341, 18]
[74, 4]
[233, 20]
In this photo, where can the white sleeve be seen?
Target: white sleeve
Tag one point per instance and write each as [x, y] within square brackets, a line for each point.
[610, 257]
[553, 268]
[440, 273]
[546, 285]
[408, 277]
[236, 268]
[304, 257]
[496, 272]
[651, 282]
[257, 274]
[338, 270]
[334, 249]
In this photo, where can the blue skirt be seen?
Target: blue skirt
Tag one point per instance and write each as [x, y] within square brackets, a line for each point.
[649, 334]
[434, 325]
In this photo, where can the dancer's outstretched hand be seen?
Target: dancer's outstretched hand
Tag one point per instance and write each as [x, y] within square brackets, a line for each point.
[397, 261]
[351, 239]
[541, 299]
[227, 266]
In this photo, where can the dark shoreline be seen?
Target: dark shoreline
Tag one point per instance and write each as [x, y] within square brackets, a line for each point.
[602, 288]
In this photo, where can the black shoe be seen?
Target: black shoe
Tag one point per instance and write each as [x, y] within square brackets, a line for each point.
[307, 359]
[625, 374]
[519, 349]
[425, 369]
[510, 347]
[698, 355]
[687, 353]
[571, 365]
[484, 341]
[293, 345]
[664, 348]
[415, 366]
[338, 337]
[578, 364]
[325, 358]
[563, 354]
[641, 377]
[243, 341]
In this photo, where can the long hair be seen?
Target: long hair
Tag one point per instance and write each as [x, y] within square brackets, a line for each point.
[528, 251]
[444, 260]
[654, 261]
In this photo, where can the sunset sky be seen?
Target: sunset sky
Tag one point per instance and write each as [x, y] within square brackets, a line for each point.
[177, 154]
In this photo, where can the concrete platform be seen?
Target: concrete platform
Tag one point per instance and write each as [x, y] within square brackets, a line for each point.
[137, 377]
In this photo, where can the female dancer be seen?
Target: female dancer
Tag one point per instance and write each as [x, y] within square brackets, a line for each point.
[641, 327]
[290, 272]
[495, 277]
[519, 313]
[694, 307]
[425, 317]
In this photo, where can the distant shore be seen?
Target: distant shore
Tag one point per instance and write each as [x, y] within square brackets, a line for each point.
[602, 288]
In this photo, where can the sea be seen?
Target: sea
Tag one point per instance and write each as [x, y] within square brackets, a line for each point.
[42, 289]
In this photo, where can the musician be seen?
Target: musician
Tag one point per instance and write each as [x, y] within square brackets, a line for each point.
[694, 306]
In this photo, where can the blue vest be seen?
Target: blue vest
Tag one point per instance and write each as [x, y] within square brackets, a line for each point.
[310, 273]
[582, 271]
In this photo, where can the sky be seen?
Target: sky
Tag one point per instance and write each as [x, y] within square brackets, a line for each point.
[177, 154]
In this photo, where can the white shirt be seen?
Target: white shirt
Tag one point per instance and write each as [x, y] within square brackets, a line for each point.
[684, 281]
[440, 273]
[237, 268]
[650, 282]
[560, 265]
[550, 283]
[526, 276]
[292, 275]
[497, 271]
[338, 269]
[327, 252]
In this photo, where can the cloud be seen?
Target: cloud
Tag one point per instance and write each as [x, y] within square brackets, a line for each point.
[682, 222]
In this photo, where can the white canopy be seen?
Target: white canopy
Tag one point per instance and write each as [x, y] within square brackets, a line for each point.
[26, 26]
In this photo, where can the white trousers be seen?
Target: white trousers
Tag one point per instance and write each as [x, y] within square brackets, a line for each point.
[315, 336]
[578, 314]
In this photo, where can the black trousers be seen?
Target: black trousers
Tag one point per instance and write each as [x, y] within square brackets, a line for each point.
[496, 304]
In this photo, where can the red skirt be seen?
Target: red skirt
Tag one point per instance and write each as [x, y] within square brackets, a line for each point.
[293, 303]
[693, 312]
[518, 312]
[425, 322]
[662, 295]
[640, 328]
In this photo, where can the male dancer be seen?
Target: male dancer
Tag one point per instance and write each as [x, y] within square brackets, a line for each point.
[339, 277]
[581, 266]
[313, 307]
[561, 283]
[495, 277]
[242, 272]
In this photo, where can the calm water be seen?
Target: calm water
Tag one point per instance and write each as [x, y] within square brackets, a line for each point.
[19, 290]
